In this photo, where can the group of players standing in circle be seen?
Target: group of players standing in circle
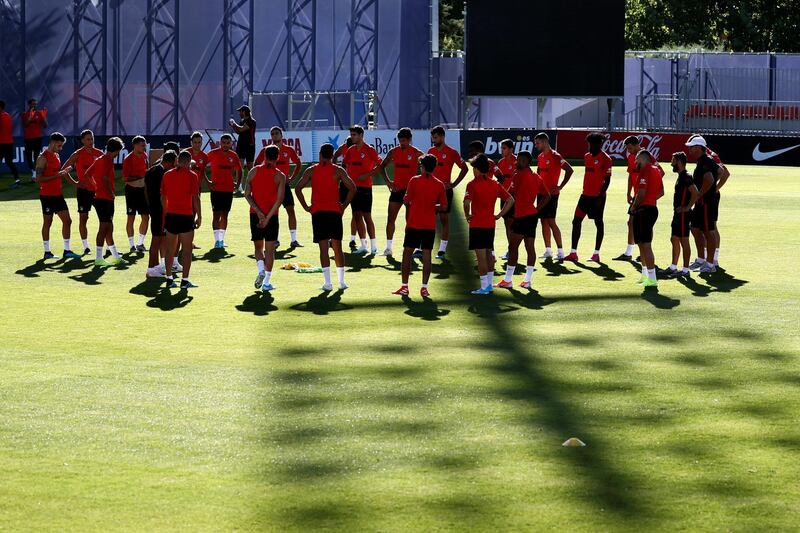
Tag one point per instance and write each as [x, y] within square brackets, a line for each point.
[167, 198]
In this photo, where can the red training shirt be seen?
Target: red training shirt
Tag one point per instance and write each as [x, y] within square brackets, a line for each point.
[483, 192]
[6, 128]
[405, 165]
[446, 157]
[264, 188]
[286, 157]
[507, 168]
[650, 179]
[324, 189]
[53, 167]
[598, 167]
[526, 186]
[34, 129]
[178, 188]
[360, 160]
[223, 164]
[134, 165]
[423, 194]
[101, 168]
[550, 165]
[83, 160]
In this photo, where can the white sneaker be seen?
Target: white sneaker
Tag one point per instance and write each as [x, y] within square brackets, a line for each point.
[176, 267]
[696, 265]
[155, 272]
[361, 251]
[707, 268]
[387, 252]
[504, 257]
[260, 279]
[374, 251]
[546, 255]
[327, 287]
[343, 286]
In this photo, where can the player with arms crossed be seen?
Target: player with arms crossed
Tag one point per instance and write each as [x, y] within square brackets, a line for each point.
[326, 210]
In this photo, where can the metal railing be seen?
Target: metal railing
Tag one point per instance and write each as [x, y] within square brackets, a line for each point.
[671, 113]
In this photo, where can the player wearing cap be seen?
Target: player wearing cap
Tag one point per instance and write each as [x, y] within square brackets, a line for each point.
[101, 173]
[264, 192]
[246, 143]
[286, 156]
[722, 178]
[446, 158]
[226, 176]
[705, 175]
[550, 164]
[645, 213]
[81, 159]
[180, 198]
[685, 196]
[405, 162]
[479, 201]
[506, 167]
[133, 168]
[526, 187]
[326, 210]
[592, 202]
[360, 161]
[50, 174]
[424, 197]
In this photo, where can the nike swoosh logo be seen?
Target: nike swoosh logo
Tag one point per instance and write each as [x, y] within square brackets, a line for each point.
[758, 155]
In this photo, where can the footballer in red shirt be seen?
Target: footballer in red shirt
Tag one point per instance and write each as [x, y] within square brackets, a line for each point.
[326, 210]
[446, 158]
[592, 202]
[101, 173]
[649, 189]
[33, 120]
[506, 167]
[134, 167]
[7, 142]
[199, 157]
[50, 174]
[424, 197]
[226, 176]
[180, 199]
[287, 156]
[550, 163]
[81, 159]
[479, 201]
[361, 160]
[405, 160]
[530, 196]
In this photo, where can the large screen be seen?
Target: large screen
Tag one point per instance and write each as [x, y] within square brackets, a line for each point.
[545, 49]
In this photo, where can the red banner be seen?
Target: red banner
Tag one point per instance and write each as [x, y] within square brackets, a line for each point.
[572, 143]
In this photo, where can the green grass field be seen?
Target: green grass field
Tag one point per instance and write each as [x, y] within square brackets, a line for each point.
[126, 407]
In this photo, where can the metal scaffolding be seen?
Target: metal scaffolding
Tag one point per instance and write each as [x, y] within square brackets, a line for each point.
[90, 65]
[237, 53]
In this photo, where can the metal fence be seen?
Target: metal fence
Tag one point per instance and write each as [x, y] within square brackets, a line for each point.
[671, 113]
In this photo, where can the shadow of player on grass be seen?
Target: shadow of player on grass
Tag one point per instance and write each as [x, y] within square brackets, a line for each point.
[260, 303]
[324, 303]
[161, 297]
[427, 309]
[602, 270]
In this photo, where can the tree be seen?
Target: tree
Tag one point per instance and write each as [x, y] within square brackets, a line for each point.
[451, 25]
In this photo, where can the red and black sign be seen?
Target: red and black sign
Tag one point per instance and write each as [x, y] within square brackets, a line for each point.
[572, 143]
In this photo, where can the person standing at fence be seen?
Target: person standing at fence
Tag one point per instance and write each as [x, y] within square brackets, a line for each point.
[287, 156]
[33, 120]
[7, 143]
[446, 158]
[81, 159]
[246, 144]
[550, 164]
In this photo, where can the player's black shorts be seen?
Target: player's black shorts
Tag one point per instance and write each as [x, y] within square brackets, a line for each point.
[246, 152]
[644, 219]
[267, 233]
[104, 209]
[550, 210]
[510, 213]
[157, 223]
[363, 200]
[525, 226]
[7, 153]
[288, 197]
[221, 201]
[85, 198]
[177, 224]
[419, 238]
[449, 193]
[704, 217]
[135, 201]
[681, 224]
[715, 211]
[326, 225]
[53, 204]
[481, 238]
[342, 192]
[397, 196]
[591, 206]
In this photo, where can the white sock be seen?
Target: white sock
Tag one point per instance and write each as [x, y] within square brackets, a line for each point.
[222, 234]
[673, 267]
[510, 273]
[267, 277]
[260, 265]
[141, 240]
[352, 238]
[483, 281]
[46, 245]
[596, 252]
[548, 251]
[373, 243]
[161, 263]
[99, 253]
[560, 252]
[644, 271]
[340, 275]
[85, 243]
[490, 279]
[716, 256]
[216, 235]
[424, 286]
[175, 262]
[629, 250]
[114, 252]
[685, 269]
[573, 251]
[388, 244]
[700, 260]
[293, 234]
[651, 273]
[442, 246]
[66, 245]
[529, 273]
[130, 241]
[364, 243]
[326, 273]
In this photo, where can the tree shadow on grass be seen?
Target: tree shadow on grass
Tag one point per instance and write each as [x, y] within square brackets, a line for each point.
[259, 303]
[323, 304]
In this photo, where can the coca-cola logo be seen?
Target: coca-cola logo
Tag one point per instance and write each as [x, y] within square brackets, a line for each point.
[615, 147]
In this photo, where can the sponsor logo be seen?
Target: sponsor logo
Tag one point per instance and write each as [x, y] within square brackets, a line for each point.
[521, 142]
[616, 147]
[758, 155]
[292, 142]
